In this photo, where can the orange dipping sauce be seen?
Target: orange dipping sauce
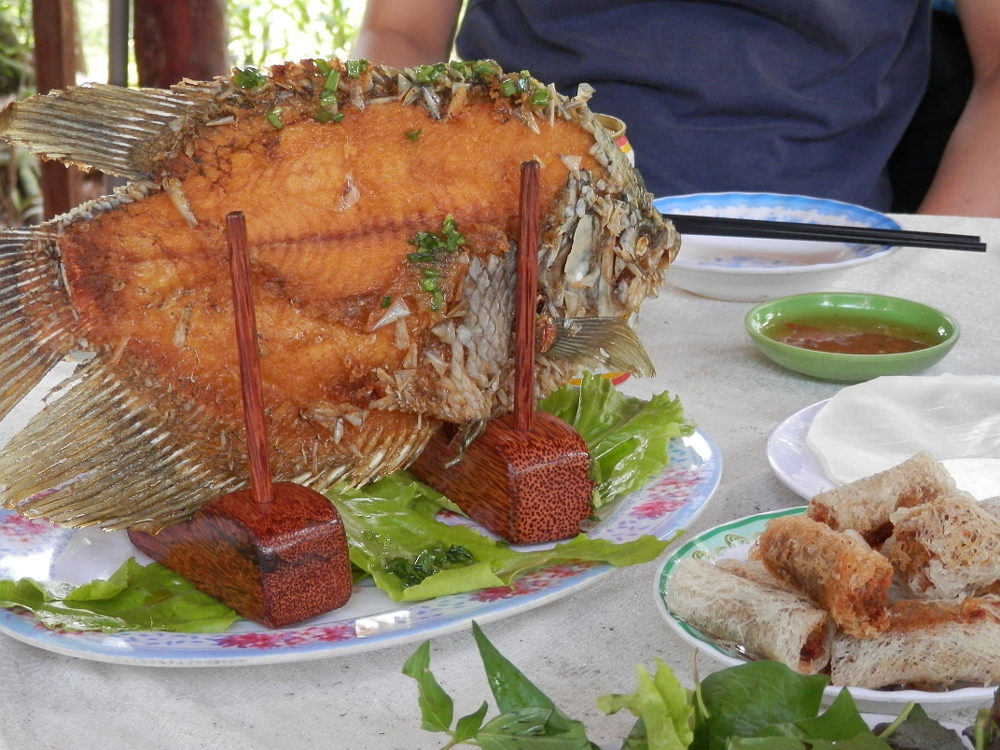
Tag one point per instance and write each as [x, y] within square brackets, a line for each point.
[847, 337]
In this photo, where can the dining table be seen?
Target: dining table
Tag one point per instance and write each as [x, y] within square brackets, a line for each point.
[574, 648]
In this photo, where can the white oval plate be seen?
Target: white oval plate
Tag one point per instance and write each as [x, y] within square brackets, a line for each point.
[733, 540]
[797, 467]
[370, 620]
[751, 269]
[790, 458]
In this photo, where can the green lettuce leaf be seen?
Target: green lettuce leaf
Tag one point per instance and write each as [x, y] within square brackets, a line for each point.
[628, 437]
[394, 518]
[135, 597]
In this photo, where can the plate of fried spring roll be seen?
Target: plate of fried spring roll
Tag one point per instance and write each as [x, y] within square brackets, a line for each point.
[873, 583]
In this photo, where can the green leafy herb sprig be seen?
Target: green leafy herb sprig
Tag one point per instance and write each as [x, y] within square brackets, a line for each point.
[527, 718]
[761, 705]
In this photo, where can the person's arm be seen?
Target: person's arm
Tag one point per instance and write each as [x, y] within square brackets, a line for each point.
[404, 33]
[967, 183]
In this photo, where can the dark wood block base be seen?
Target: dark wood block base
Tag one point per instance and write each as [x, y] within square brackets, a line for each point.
[276, 563]
[527, 486]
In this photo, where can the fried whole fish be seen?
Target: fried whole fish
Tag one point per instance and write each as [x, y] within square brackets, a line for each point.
[382, 213]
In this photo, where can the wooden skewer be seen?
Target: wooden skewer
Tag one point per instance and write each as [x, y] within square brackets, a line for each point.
[249, 356]
[526, 478]
[277, 552]
[525, 300]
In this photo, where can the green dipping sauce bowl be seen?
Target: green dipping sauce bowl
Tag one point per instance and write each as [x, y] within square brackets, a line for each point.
[852, 323]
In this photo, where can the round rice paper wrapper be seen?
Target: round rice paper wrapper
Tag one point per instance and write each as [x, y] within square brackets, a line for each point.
[875, 425]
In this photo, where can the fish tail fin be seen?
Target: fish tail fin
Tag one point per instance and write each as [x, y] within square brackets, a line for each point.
[604, 342]
[36, 320]
[117, 130]
[102, 454]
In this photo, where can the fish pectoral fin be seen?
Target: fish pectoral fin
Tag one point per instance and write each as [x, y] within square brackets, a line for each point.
[103, 455]
[606, 342]
[37, 325]
[464, 435]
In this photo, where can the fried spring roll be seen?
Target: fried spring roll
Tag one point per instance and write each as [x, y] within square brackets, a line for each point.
[866, 504]
[928, 645]
[991, 505]
[767, 622]
[948, 548]
[838, 571]
[755, 571]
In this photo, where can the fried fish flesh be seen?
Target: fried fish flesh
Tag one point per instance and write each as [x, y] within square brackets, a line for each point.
[382, 214]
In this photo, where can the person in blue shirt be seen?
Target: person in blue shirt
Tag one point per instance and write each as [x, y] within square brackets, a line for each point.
[809, 97]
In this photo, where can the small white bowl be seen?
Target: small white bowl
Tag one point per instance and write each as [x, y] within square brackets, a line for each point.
[754, 270]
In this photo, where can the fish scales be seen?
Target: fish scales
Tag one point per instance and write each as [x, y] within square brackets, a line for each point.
[368, 339]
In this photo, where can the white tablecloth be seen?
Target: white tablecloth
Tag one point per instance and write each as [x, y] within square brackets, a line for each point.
[574, 649]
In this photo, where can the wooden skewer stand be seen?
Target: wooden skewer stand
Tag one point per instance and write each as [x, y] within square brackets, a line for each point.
[275, 553]
[526, 478]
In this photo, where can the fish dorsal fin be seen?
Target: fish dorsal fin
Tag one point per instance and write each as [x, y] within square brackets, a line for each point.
[102, 454]
[36, 321]
[600, 342]
[117, 130]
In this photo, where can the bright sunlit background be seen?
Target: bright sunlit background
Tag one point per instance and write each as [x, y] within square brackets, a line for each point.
[261, 32]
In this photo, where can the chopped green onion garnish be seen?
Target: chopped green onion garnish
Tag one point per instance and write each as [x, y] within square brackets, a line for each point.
[430, 244]
[326, 98]
[453, 240]
[429, 73]
[523, 83]
[413, 135]
[430, 273]
[356, 67]
[332, 81]
[483, 68]
[323, 66]
[508, 87]
[429, 285]
[249, 78]
[323, 115]
[387, 300]
[337, 117]
[274, 117]
[539, 97]
[436, 300]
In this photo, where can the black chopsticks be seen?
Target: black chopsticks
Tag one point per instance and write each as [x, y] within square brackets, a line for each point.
[721, 226]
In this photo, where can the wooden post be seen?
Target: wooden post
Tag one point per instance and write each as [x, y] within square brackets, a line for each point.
[55, 68]
[176, 39]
